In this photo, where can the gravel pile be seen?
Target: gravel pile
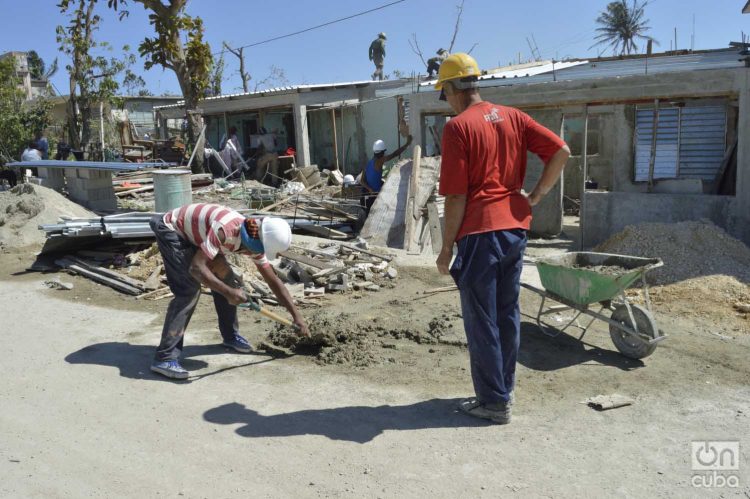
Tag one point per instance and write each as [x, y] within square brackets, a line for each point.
[688, 249]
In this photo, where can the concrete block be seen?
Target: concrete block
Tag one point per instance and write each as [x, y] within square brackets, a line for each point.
[53, 178]
[391, 273]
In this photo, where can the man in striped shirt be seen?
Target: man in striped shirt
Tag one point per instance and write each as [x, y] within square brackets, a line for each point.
[194, 238]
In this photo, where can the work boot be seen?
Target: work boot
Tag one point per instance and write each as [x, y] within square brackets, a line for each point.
[498, 413]
[170, 369]
[238, 343]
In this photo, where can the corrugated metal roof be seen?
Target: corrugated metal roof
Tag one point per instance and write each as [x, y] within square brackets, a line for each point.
[522, 70]
[293, 89]
[89, 165]
[632, 66]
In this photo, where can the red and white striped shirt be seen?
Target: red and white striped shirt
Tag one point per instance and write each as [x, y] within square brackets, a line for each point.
[200, 223]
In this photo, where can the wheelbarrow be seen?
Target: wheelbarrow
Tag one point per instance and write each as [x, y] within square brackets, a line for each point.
[580, 280]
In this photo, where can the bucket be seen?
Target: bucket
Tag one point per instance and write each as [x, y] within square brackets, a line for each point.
[172, 189]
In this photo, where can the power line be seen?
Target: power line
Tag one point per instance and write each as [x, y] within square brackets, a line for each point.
[319, 25]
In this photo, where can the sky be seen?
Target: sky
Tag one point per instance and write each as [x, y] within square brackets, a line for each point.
[338, 53]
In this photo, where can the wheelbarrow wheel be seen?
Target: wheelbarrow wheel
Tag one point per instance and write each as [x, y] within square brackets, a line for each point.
[635, 347]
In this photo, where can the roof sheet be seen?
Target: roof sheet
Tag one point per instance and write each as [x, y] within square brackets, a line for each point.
[90, 165]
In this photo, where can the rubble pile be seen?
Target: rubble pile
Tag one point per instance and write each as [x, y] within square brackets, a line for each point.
[335, 267]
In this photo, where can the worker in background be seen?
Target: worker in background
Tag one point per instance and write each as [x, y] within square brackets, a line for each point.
[42, 144]
[487, 215]
[194, 239]
[433, 63]
[377, 55]
[372, 177]
[32, 152]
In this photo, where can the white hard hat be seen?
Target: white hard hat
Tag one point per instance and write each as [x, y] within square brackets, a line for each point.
[275, 235]
[378, 146]
[348, 179]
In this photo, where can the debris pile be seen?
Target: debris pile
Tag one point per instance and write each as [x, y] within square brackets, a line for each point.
[335, 267]
[26, 206]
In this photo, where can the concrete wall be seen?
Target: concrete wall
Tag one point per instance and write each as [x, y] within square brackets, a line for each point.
[606, 213]
[547, 216]
[630, 203]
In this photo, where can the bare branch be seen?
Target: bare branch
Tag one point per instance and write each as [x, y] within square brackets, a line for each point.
[243, 74]
[458, 24]
[415, 48]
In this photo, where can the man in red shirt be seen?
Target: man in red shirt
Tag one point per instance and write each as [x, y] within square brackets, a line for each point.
[193, 240]
[487, 214]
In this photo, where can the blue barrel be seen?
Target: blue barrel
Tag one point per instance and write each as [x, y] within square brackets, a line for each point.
[172, 189]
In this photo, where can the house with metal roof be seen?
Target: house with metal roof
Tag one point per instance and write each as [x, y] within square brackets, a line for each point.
[655, 138]
[330, 125]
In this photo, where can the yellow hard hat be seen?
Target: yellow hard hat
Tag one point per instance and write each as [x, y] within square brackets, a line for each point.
[456, 66]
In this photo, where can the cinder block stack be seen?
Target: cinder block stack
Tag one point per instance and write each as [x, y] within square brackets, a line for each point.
[91, 188]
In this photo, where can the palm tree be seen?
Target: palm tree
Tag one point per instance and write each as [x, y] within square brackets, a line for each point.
[621, 25]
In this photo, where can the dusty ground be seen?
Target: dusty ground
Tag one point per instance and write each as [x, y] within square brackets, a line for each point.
[82, 415]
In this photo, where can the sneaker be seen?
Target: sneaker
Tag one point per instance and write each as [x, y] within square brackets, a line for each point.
[170, 369]
[497, 413]
[239, 343]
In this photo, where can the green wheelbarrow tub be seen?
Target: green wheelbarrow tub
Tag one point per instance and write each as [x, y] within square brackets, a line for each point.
[586, 277]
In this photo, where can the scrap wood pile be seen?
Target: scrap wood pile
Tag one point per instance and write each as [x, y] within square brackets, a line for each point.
[335, 267]
[308, 273]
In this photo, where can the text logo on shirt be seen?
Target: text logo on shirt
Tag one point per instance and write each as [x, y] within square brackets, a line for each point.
[493, 116]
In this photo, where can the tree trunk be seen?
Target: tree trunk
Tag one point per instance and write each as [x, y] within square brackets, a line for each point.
[195, 126]
[243, 75]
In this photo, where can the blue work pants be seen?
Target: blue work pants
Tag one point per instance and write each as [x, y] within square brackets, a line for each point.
[487, 271]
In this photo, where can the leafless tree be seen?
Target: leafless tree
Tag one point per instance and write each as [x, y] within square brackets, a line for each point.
[414, 44]
[276, 75]
[243, 74]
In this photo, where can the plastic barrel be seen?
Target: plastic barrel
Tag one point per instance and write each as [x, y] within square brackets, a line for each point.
[172, 189]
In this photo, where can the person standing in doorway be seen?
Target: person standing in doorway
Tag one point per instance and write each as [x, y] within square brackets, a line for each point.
[487, 215]
[372, 177]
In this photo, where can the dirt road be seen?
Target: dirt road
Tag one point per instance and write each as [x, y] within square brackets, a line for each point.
[83, 417]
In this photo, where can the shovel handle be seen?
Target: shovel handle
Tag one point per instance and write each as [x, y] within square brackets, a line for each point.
[276, 317]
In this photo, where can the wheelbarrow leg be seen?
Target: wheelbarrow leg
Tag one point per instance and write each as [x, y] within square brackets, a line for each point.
[542, 327]
[584, 329]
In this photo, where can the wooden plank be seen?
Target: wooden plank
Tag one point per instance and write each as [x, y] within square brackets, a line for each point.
[153, 280]
[324, 231]
[366, 252]
[436, 228]
[107, 272]
[411, 209]
[296, 257]
[94, 276]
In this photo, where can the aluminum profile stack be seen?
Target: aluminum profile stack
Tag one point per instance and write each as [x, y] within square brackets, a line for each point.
[127, 225]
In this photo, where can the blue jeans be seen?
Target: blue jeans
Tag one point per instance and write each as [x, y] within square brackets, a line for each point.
[177, 254]
[487, 271]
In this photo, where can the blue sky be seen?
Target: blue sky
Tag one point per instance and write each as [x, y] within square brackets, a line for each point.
[339, 52]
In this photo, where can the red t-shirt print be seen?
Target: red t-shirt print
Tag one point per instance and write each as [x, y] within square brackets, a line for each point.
[484, 157]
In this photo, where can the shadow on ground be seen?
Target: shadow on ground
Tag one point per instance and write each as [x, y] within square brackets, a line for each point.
[359, 424]
[134, 361]
[543, 353]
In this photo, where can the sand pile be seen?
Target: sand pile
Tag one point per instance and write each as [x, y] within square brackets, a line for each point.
[706, 272]
[25, 207]
[688, 249]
